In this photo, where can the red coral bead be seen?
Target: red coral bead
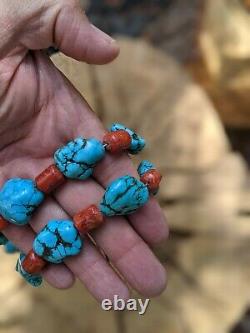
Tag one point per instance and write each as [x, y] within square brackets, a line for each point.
[32, 263]
[117, 142]
[152, 179]
[88, 219]
[3, 223]
[49, 179]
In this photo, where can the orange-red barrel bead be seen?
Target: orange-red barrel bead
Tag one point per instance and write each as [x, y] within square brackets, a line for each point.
[152, 179]
[32, 263]
[117, 142]
[88, 219]
[3, 223]
[49, 179]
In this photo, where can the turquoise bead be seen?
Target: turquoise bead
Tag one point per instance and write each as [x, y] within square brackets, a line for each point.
[34, 280]
[144, 167]
[77, 159]
[58, 240]
[137, 143]
[18, 199]
[124, 196]
[3, 239]
[10, 248]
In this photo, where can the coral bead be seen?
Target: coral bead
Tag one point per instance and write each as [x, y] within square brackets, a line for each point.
[117, 142]
[33, 264]
[3, 223]
[49, 179]
[152, 179]
[34, 280]
[137, 142]
[88, 219]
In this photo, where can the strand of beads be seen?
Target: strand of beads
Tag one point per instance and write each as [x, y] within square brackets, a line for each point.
[64, 238]
[19, 197]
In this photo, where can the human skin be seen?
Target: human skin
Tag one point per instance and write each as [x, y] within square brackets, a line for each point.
[40, 111]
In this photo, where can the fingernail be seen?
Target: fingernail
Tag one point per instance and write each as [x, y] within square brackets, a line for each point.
[103, 35]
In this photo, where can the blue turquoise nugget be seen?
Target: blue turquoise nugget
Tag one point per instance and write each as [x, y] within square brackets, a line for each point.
[18, 200]
[3, 239]
[137, 143]
[77, 159]
[34, 280]
[124, 196]
[10, 248]
[58, 240]
[144, 167]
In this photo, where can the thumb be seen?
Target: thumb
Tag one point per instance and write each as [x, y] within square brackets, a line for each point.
[77, 38]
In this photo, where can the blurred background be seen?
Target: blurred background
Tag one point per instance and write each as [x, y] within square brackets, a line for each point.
[183, 81]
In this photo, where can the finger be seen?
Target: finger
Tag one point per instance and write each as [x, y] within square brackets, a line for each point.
[77, 38]
[126, 250]
[133, 259]
[89, 266]
[97, 275]
[149, 221]
[58, 276]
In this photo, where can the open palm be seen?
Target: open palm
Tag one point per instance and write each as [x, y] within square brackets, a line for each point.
[40, 111]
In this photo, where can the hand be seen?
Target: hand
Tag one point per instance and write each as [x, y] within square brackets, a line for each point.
[40, 111]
